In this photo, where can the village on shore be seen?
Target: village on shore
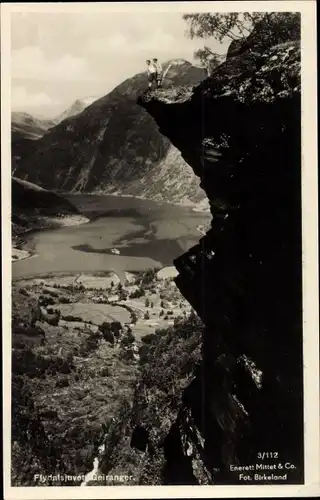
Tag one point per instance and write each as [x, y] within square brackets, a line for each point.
[141, 303]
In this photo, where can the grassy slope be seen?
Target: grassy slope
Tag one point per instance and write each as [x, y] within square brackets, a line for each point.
[67, 389]
[168, 360]
[64, 392]
[167, 364]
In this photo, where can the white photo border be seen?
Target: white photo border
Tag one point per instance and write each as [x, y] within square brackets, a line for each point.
[311, 488]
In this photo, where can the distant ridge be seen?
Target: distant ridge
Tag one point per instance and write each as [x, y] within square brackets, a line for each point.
[29, 127]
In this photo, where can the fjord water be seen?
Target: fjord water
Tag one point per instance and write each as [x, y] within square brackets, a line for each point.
[146, 233]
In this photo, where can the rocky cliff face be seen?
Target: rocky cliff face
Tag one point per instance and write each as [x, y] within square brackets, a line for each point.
[115, 146]
[240, 132]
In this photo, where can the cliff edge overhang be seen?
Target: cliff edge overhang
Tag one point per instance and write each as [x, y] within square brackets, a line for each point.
[240, 132]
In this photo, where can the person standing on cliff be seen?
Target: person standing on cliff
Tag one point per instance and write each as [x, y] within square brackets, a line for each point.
[152, 73]
[159, 71]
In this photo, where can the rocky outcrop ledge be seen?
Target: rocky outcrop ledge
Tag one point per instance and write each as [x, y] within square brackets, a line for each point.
[240, 132]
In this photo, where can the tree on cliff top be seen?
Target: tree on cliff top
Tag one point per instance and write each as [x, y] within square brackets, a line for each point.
[243, 29]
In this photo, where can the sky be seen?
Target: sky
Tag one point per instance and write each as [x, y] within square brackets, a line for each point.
[62, 56]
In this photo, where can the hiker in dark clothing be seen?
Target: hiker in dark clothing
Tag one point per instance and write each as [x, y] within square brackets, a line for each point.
[152, 73]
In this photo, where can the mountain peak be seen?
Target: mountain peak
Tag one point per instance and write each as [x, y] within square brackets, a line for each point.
[76, 108]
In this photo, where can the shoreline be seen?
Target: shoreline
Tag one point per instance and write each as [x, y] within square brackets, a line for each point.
[23, 248]
[201, 207]
[19, 254]
[70, 220]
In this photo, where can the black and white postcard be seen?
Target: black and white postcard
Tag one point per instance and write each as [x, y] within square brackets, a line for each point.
[159, 237]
